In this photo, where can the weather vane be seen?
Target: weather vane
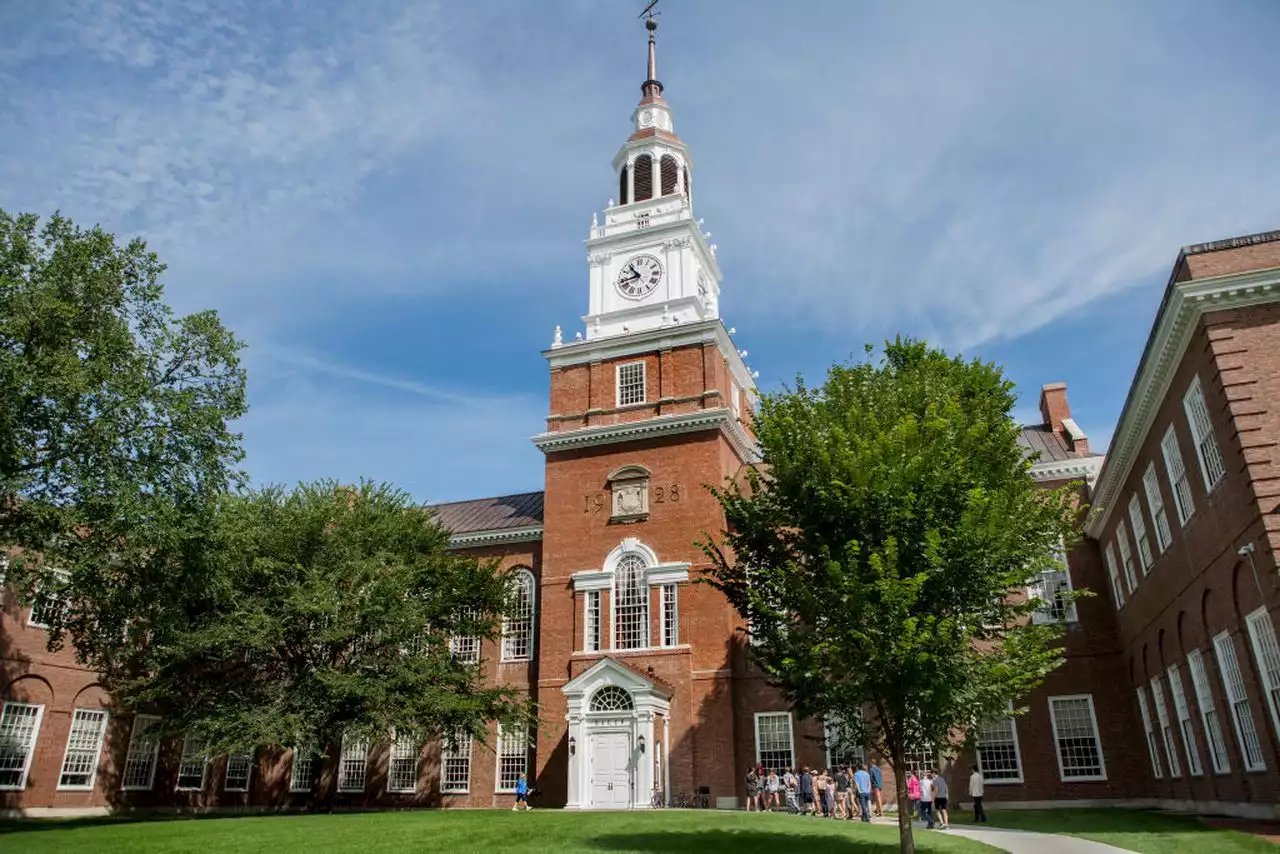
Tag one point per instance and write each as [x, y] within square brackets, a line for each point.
[648, 10]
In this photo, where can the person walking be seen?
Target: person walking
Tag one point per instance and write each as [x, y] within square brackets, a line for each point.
[806, 791]
[522, 794]
[753, 786]
[975, 792]
[831, 794]
[791, 783]
[844, 805]
[820, 791]
[940, 792]
[773, 791]
[877, 785]
[862, 786]
[926, 799]
[913, 794]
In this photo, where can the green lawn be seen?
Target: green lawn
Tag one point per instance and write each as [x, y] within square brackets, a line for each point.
[1136, 830]
[498, 832]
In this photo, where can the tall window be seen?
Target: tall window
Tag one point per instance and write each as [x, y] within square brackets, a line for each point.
[670, 615]
[735, 398]
[592, 641]
[455, 763]
[998, 754]
[1117, 589]
[302, 772]
[239, 770]
[631, 388]
[402, 768]
[1051, 588]
[1184, 721]
[1208, 714]
[1152, 750]
[643, 178]
[630, 604]
[1202, 434]
[352, 764]
[1166, 731]
[842, 750]
[1262, 634]
[1177, 476]
[1126, 555]
[1155, 503]
[669, 172]
[465, 649]
[517, 625]
[19, 728]
[774, 746]
[1140, 533]
[1075, 732]
[192, 766]
[50, 599]
[84, 745]
[513, 757]
[622, 186]
[1241, 714]
[144, 748]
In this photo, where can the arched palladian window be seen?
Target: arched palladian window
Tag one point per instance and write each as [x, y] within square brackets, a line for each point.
[669, 171]
[611, 698]
[517, 623]
[622, 186]
[644, 178]
[630, 603]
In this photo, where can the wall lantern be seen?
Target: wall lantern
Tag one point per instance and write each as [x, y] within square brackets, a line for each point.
[573, 745]
[641, 743]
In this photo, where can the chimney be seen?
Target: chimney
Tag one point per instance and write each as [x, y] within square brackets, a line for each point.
[1057, 417]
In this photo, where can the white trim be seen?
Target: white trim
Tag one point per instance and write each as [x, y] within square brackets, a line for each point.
[97, 756]
[1267, 670]
[1086, 468]
[1215, 741]
[664, 627]
[498, 536]
[311, 772]
[592, 579]
[1097, 737]
[248, 779]
[651, 428]
[1230, 681]
[1073, 430]
[667, 573]
[530, 584]
[31, 744]
[63, 576]
[617, 384]
[155, 754]
[182, 760]
[599, 620]
[1202, 432]
[791, 731]
[364, 764]
[417, 767]
[1017, 755]
[1178, 319]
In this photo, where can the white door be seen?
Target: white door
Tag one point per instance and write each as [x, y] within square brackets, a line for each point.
[610, 770]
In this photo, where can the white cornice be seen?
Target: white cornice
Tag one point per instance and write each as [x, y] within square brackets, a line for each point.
[652, 428]
[500, 536]
[1185, 303]
[1076, 468]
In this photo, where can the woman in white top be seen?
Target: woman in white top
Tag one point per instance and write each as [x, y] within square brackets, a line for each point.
[975, 792]
[773, 791]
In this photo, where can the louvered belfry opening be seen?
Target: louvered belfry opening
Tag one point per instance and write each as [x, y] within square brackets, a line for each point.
[644, 177]
[669, 171]
[622, 186]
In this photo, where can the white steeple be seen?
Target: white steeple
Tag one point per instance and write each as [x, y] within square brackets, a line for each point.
[650, 264]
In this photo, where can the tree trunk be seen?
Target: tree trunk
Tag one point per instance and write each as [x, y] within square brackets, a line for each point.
[906, 841]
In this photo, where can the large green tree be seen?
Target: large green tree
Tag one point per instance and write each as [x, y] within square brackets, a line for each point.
[317, 612]
[114, 414]
[882, 553]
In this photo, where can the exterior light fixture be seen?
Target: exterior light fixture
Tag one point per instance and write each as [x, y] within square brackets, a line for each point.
[573, 745]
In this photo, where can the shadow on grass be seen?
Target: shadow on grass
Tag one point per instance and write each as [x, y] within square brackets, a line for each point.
[28, 825]
[737, 841]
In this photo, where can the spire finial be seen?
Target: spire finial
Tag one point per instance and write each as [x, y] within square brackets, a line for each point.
[651, 87]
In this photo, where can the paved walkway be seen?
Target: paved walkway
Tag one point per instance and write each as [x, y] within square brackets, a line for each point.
[1017, 841]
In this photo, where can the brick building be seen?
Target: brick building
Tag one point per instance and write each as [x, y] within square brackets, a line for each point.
[1170, 694]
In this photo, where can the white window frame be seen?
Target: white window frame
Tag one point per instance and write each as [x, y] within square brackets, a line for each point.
[1126, 556]
[348, 754]
[615, 609]
[735, 395]
[670, 617]
[1266, 654]
[458, 753]
[403, 750]
[82, 749]
[1212, 466]
[831, 733]
[1152, 751]
[249, 759]
[644, 384]
[1145, 557]
[1045, 588]
[62, 575]
[1097, 737]
[506, 751]
[1166, 730]
[523, 623]
[1155, 505]
[1012, 724]
[32, 739]
[1117, 589]
[193, 749]
[593, 621]
[139, 741]
[465, 649]
[791, 735]
[1209, 718]
[1176, 471]
[1246, 727]
[306, 781]
[1183, 712]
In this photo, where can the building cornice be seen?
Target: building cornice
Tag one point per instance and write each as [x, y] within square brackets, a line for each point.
[1076, 468]
[1184, 305]
[653, 428]
[497, 537]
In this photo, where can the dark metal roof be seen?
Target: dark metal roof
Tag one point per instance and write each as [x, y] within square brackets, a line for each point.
[1039, 439]
[490, 514]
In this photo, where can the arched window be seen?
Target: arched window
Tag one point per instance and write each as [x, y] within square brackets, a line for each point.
[644, 178]
[630, 603]
[669, 170]
[622, 186]
[611, 698]
[517, 623]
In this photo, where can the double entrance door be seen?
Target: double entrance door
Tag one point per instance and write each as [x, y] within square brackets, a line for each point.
[610, 770]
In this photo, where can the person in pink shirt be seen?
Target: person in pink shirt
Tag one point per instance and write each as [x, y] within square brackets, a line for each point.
[913, 791]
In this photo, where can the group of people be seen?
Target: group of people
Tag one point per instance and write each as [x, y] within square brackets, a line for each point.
[849, 793]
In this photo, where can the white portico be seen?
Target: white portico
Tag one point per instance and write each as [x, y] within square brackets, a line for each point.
[615, 745]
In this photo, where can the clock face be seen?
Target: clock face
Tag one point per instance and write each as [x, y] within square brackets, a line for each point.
[639, 276]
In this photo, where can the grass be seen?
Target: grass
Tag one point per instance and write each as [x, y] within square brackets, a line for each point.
[1137, 830]
[676, 832]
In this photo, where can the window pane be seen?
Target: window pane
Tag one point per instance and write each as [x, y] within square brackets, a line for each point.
[998, 752]
[513, 757]
[773, 740]
[455, 763]
[144, 747]
[631, 604]
[19, 727]
[1079, 751]
[84, 744]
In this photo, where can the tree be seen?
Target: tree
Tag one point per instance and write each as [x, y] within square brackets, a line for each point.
[114, 425]
[882, 552]
[316, 613]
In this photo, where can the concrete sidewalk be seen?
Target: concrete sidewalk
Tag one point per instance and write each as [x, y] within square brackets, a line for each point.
[1016, 841]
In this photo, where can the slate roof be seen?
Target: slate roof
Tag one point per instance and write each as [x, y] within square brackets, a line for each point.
[490, 514]
[1037, 438]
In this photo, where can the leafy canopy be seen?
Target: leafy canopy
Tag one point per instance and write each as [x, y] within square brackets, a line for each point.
[882, 551]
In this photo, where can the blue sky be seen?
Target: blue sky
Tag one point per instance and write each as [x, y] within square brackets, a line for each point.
[387, 200]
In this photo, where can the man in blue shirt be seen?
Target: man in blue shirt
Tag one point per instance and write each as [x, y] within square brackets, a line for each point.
[877, 786]
[862, 783]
